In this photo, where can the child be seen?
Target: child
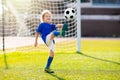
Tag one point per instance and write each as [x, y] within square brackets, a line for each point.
[48, 32]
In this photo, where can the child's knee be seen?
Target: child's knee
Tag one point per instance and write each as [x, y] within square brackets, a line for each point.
[51, 53]
[56, 33]
[52, 37]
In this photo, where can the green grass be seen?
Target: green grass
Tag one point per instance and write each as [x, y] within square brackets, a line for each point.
[99, 60]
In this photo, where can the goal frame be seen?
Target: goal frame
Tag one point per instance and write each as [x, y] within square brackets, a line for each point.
[78, 26]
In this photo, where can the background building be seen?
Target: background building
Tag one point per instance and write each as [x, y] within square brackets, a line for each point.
[100, 18]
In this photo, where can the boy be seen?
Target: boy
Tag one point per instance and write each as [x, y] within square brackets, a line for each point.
[48, 32]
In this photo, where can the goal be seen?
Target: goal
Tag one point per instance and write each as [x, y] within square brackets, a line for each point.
[21, 18]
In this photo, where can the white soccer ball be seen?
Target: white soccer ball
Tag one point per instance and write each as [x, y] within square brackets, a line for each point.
[69, 13]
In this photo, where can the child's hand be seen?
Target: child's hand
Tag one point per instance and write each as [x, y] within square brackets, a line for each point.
[36, 38]
[35, 44]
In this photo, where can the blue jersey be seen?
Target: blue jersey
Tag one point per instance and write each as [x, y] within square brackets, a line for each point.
[44, 29]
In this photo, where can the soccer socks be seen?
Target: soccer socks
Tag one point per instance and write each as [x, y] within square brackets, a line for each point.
[56, 33]
[49, 62]
[64, 28]
[62, 32]
[65, 25]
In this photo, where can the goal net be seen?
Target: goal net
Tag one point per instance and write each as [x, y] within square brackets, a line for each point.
[21, 18]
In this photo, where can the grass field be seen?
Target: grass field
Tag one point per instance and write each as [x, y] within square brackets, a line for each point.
[99, 60]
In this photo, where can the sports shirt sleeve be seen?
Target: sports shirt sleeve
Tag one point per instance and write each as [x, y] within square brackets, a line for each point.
[39, 29]
[54, 27]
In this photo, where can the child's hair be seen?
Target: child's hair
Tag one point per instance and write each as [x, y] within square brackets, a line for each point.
[43, 13]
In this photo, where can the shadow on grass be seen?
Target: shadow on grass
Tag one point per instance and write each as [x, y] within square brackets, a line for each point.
[57, 77]
[99, 58]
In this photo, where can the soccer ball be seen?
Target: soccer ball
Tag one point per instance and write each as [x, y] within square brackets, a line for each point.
[69, 13]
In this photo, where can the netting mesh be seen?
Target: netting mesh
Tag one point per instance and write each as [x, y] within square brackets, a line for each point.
[23, 16]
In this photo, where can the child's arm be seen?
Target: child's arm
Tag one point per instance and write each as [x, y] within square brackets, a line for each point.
[59, 25]
[36, 39]
[62, 26]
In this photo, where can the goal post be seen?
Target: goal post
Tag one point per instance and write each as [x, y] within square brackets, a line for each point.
[78, 26]
[21, 21]
[2, 4]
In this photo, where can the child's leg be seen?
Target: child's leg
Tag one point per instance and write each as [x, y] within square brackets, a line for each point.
[54, 34]
[51, 55]
[50, 58]
[50, 45]
[51, 36]
[64, 28]
[61, 32]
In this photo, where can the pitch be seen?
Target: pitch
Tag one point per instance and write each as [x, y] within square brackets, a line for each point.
[99, 60]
